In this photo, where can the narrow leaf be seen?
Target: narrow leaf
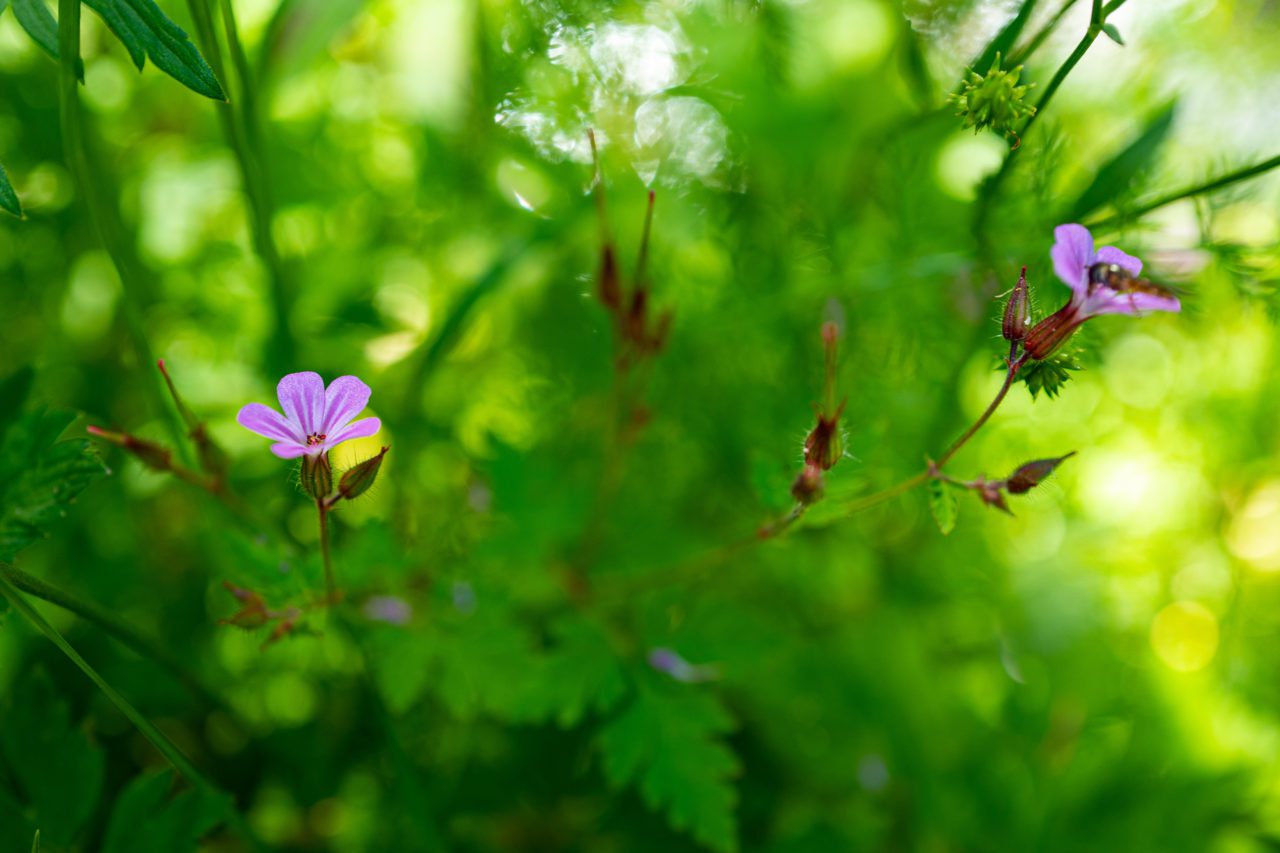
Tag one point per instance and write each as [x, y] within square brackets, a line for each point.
[8, 196]
[943, 505]
[144, 30]
[1113, 33]
[148, 817]
[38, 21]
[1116, 176]
[1003, 42]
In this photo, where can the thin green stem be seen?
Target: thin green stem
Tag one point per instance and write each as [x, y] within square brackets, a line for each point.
[1192, 191]
[112, 625]
[960, 442]
[330, 585]
[1021, 56]
[92, 186]
[158, 739]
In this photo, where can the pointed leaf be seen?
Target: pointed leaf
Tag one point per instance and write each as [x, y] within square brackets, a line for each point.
[1113, 33]
[146, 817]
[144, 29]
[1117, 176]
[8, 196]
[669, 743]
[943, 505]
[38, 21]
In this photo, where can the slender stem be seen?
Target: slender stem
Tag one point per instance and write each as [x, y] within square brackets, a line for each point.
[158, 739]
[90, 180]
[110, 624]
[960, 442]
[1190, 192]
[330, 586]
[1020, 56]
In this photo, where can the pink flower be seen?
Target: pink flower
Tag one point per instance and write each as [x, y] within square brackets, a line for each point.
[315, 418]
[1101, 282]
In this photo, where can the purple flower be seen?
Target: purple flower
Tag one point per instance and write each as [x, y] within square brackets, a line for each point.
[1101, 282]
[315, 418]
[669, 661]
[389, 609]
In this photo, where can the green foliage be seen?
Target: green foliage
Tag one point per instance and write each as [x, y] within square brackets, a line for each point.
[9, 201]
[150, 816]
[58, 773]
[146, 31]
[668, 742]
[1049, 374]
[1115, 178]
[40, 476]
[943, 505]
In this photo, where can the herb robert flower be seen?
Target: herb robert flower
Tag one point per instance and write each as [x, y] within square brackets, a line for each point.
[316, 419]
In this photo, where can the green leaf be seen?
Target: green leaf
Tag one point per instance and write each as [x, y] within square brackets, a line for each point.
[1113, 33]
[669, 742]
[14, 389]
[145, 31]
[1117, 175]
[1049, 374]
[943, 505]
[38, 21]
[9, 201]
[57, 769]
[35, 843]
[580, 675]
[40, 476]
[146, 817]
[1004, 40]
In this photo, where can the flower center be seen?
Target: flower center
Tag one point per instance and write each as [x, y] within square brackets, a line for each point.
[316, 438]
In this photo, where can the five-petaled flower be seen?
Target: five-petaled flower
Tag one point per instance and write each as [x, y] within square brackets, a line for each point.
[315, 418]
[1101, 282]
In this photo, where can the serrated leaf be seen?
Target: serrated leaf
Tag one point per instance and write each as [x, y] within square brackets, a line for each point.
[943, 506]
[579, 675]
[40, 476]
[146, 31]
[38, 21]
[1113, 33]
[57, 769]
[1117, 175]
[146, 817]
[9, 201]
[669, 743]
[1049, 374]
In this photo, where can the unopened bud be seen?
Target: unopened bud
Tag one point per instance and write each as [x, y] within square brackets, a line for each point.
[356, 481]
[1030, 475]
[1017, 311]
[154, 456]
[610, 286]
[823, 446]
[317, 476]
[808, 488]
[990, 494]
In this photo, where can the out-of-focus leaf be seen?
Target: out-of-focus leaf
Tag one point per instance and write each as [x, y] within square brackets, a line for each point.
[943, 506]
[301, 31]
[580, 675]
[145, 30]
[14, 389]
[1049, 374]
[9, 201]
[146, 817]
[58, 770]
[38, 21]
[1118, 174]
[1003, 42]
[40, 476]
[668, 742]
[1113, 33]
[35, 843]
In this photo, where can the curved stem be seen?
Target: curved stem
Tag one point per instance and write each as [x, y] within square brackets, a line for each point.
[112, 625]
[960, 442]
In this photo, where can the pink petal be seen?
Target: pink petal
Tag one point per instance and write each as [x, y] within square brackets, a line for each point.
[1112, 255]
[1132, 303]
[302, 398]
[345, 397]
[360, 429]
[1072, 254]
[266, 421]
[289, 449]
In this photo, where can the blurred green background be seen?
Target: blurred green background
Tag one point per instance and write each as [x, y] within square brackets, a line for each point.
[1099, 672]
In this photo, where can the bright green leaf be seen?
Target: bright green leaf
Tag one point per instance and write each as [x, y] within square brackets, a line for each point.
[146, 817]
[669, 742]
[1118, 174]
[146, 31]
[1049, 374]
[943, 505]
[8, 195]
[1113, 33]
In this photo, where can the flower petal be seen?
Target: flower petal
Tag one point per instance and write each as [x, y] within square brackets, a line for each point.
[360, 429]
[345, 397]
[289, 449]
[266, 421]
[1133, 303]
[1112, 255]
[302, 398]
[1072, 254]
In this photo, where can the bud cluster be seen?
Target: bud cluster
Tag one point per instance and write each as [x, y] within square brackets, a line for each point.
[994, 99]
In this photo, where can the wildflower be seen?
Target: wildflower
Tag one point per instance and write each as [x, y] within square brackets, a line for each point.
[670, 662]
[389, 609]
[315, 418]
[1101, 282]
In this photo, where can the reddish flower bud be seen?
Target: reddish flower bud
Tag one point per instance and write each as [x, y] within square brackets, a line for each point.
[808, 488]
[822, 448]
[1030, 475]
[1017, 311]
[253, 613]
[990, 494]
[316, 476]
[356, 481]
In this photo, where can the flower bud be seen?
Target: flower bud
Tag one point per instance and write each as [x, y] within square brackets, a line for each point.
[1030, 475]
[356, 481]
[316, 476]
[808, 488]
[991, 495]
[1017, 311]
[993, 100]
[154, 456]
[823, 447]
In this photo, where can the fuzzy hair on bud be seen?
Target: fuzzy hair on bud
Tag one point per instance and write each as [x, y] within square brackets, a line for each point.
[1033, 473]
[316, 476]
[358, 480]
[1017, 311]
